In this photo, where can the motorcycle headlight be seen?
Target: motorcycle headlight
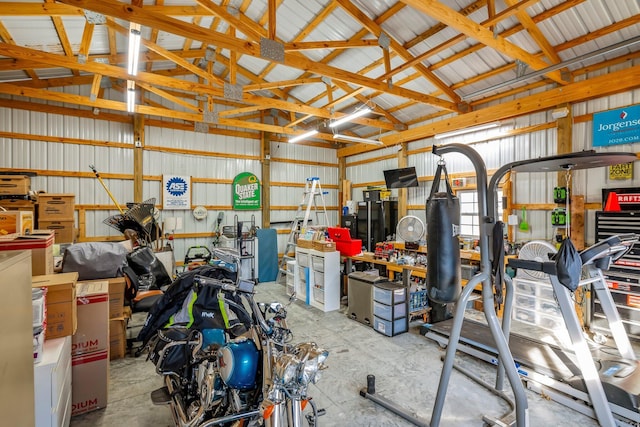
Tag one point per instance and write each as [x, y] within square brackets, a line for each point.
[313, 359]
[286, 368]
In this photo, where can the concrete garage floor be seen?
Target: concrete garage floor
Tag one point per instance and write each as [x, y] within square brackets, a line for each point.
[407, 368]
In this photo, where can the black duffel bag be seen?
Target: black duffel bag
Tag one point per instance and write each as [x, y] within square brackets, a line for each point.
[148, 267]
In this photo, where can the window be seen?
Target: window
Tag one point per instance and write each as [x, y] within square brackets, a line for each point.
[469, 221]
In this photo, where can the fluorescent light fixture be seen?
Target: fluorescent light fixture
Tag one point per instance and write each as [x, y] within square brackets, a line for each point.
[131, 96]
[303, 136]
[560, 113]
[358, 113]
[134, 50]
[466, 130]
[357, 139]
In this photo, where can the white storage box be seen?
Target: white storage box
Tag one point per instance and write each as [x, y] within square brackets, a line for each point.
[389, 312]
[389, 293]
[388, 328]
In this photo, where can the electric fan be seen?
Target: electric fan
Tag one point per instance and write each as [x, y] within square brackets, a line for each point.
[410, 229]
[535, 250]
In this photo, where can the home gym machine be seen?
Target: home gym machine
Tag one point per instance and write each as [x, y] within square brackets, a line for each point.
[612, 387]
[498, 332]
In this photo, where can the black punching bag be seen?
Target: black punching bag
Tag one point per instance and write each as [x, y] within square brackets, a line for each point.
[443, 245]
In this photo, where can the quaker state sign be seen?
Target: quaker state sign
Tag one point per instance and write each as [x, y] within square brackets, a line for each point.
[246, 192]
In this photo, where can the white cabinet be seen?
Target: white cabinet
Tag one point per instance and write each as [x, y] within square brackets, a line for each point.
[317, 278]
[52, 378]
[290, 277]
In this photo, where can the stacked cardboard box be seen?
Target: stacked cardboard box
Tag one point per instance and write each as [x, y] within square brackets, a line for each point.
[118, 317]
[14, 185]
[90, 348]
[55, 212]
[40, 243]
[14, 197]
[60, 303]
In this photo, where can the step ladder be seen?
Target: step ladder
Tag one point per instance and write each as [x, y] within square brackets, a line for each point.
[309, 202]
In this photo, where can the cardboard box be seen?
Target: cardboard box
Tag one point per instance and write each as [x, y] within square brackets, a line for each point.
[64, 230]
[14, 184]
[18, 204]
[92, 334]
[90, 376]
[60, 303]
[117, 338]
[20, 222]
[116, 295]
[40, 243]
[56, 207]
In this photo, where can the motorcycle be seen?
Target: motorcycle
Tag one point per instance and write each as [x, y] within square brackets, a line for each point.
[241, 371]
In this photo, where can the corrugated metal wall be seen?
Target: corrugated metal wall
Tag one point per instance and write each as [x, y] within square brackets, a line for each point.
[236, 155]
[528, 188]
[313, 162]
[291, 165]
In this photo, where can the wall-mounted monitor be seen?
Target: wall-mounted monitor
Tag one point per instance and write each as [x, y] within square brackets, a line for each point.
[401, 178]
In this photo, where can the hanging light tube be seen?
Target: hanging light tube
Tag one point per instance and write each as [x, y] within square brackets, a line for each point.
[303, 136]
[134, 49]
[357, 139]
[358, 113]
[131, 96]
[466, 130]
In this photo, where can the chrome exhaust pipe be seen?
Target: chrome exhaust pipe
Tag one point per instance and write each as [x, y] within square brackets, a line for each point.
[229, 418]
[177, 409]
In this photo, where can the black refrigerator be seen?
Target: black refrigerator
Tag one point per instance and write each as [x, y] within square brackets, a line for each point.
[376, 221]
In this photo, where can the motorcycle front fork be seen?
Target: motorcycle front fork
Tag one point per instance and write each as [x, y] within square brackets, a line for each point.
[289, 408]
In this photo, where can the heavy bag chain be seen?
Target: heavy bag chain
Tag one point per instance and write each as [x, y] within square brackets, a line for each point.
[435, 186]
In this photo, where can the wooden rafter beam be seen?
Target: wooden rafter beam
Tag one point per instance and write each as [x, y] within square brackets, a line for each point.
[7, 38]
[58, 24]
[175, 26]
[281, 84]
[432, 31]
[535, 33]
[166, 95]
[600, 86]
[188, 41]
[509, 32]
[447, 44]
[397, 123]
[153, 37]
[57, 82]
[491, 12]
[244, 110]
[95, 87]
[377, 31]
[240, 23]
[330, 44]
[319, 18]
[471, 29]
[164, 53]
[162, 81]
[42, 94]
[87, 35]
[59, 9]
[272, 8]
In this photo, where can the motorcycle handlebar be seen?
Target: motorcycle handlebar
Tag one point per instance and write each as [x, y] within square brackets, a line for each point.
[260, 318]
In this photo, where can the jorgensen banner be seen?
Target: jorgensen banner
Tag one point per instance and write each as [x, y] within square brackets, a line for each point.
[621, 126]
